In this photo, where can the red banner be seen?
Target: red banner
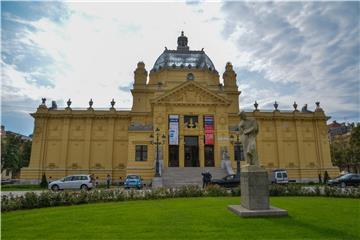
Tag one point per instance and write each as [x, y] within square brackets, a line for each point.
[209, 130]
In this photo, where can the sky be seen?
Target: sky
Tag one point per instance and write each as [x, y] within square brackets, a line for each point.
[284, 51]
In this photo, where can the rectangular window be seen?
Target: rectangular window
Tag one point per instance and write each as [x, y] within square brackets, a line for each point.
[141, 153]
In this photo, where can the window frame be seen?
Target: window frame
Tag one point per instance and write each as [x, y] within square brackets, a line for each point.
[143, 151]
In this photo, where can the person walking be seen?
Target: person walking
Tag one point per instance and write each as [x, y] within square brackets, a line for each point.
[108, 180]
[206, 178]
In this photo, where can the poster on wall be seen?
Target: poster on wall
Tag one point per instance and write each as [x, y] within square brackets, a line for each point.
[209, 130]
[174, 130]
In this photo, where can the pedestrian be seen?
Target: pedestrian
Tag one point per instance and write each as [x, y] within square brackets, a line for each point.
[206, 178]
[209, 176]
[108, 180]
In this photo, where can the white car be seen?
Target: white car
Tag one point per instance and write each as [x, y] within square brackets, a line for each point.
[82, 182]
[279, 176]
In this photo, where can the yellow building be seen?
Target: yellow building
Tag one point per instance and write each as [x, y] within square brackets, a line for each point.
[183, 106]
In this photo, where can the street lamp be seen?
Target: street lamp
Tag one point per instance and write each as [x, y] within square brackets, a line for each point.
[157, 143]
[237, 144]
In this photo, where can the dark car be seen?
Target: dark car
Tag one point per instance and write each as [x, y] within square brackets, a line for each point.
[229, 181]
[350, 179]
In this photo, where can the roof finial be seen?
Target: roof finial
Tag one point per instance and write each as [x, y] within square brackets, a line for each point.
[182, 42]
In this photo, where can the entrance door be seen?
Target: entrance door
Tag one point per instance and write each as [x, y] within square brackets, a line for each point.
[173, 155]
[209, 156]
[191, 152]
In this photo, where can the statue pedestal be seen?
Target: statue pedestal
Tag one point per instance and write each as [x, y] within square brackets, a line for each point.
[254, 184]
[157, 182]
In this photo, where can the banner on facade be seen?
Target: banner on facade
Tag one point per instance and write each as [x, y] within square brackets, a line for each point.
[209, 130]
[174, 130]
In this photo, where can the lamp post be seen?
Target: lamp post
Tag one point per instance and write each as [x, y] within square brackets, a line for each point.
[237, 144]
[157, 143]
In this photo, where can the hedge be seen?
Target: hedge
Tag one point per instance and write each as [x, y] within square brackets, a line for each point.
[64, 198]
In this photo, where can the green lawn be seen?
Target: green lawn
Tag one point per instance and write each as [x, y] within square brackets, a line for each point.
[192, 218]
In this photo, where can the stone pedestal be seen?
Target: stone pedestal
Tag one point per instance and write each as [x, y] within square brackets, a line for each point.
[157, 182]
[254, 185]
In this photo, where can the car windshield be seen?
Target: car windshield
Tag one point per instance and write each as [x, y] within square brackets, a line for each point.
[346, 176]
[132, 177]
[284, 175]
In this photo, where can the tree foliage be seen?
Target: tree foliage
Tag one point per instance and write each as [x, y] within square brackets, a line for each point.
[15, 153]
[346, 153]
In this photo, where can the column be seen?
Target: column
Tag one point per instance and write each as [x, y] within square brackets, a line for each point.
[201, 141]
[110, 144]
[87, 141]
[65, 143]
[299, 140]
[43, 141]
[279, 142]
[181, 141]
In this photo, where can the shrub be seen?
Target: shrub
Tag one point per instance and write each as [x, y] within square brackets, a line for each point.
[236, 191]
[189, 191]
[277, 190]
[44, 182]
[29, 200]
[216, 191]
[48, 199]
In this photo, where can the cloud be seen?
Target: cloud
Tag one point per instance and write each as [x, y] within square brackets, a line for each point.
[90, 50]
[302, 52]
[311, 48]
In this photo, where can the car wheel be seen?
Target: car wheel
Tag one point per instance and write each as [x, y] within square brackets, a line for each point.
[84, 187]
[342, 185]
[55, 188]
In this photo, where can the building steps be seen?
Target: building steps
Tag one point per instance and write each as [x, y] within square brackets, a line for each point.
[177, 176]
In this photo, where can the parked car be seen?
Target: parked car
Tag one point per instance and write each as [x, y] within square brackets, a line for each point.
[279, 176]
[7, 181]
[133, 181]
[229, 181]
[350, 179]
[82, 182]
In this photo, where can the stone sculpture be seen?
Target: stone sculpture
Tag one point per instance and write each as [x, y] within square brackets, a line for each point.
[248, 130]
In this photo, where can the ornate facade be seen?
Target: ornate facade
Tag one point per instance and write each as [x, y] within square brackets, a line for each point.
[182, 106]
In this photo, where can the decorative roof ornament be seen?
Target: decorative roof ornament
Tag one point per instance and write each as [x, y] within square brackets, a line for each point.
[276, 105]
[256, 106]
[68, 103]
[112, 103]
[295, 107]
[43, 104]
[229, 75]
[305, 110]
[318, 108]
[182, 42]
[91, 103]
[53, 105]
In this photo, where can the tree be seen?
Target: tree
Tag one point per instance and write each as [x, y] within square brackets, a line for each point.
[26, 153]
[355, 148]
[11, 154]
[15, 153]
[345, 152]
